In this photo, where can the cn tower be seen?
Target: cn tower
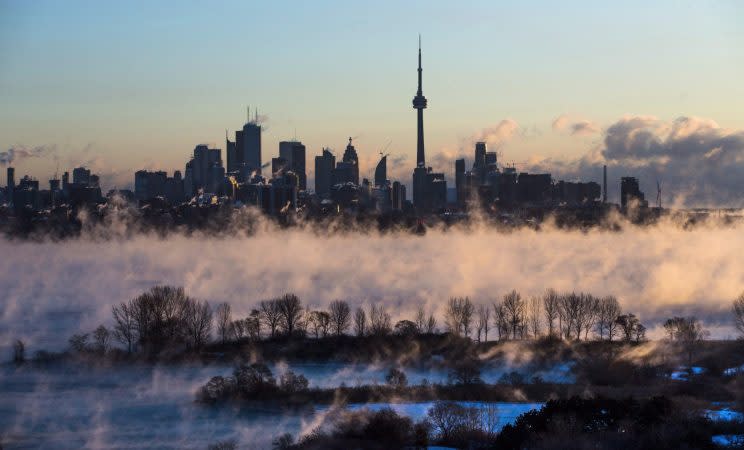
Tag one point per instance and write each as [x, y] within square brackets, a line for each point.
[419, 104]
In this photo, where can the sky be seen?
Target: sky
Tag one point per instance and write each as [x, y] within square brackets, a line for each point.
[120, 86]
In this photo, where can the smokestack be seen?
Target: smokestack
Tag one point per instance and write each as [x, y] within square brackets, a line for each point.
[604, 184]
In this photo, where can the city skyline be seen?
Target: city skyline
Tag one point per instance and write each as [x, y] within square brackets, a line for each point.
[551, 133]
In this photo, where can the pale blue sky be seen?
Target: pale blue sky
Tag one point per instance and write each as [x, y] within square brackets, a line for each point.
[138, 84]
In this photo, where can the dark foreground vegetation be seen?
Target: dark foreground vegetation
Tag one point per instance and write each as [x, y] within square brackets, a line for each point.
[622, 391]
[577, 423]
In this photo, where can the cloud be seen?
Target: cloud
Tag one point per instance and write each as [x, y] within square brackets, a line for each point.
[499, 133]
[575, 127]
[19, 152]
[699, 162]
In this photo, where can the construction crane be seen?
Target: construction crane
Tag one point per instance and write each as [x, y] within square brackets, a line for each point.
[384, 149]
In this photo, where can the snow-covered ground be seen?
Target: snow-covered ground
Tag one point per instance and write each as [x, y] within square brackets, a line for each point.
[507, 412]
[683, 373]
[724, 415]
[728, 440]
[731, 371]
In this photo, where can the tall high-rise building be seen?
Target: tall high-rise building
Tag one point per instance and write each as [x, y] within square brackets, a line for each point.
[11, 177]
[231, 153]
[293, 152]
[460, 179]
[66, 183]
[381, 172]
[480, 155]
[251, 145]
[352, 159]
[324, 166]
[420, 174]
[604, 184]
[81, 175]
[204, 171]
[11, 184]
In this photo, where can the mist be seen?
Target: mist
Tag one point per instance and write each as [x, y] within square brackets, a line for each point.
[54, 289]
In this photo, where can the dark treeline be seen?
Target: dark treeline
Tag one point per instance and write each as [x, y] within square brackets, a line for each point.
[165, 318]
[166, 321]
[578, 423]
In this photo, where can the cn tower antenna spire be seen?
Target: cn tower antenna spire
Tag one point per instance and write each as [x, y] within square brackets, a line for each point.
[419, 104]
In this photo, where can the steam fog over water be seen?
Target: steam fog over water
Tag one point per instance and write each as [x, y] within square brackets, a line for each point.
[51, 290]
[153, 407]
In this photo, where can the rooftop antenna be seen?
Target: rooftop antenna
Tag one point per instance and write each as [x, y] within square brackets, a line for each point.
[247, 113]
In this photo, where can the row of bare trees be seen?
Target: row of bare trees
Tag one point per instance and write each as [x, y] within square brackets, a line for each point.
[286, 315]
[162, 317]
[166, 316]
[569, 316]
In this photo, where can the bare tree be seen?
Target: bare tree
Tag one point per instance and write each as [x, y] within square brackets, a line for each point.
[340, 316]
[431, 324]
[640, 333]
[101, 339]
[125, 330]
[588, 310]
[79, 342]
[534, 316]
[452, 316]
[379, 321]
[360, 322]
[320, 321]
[459, 315]
[568, 314]
[270, 314]
[514, 310]
[159, 316]
[672, 327]
[739, 314]
[421, 319]
[290, 312]
[628, 324]
[313, 323]
[467, 316]
[252, 325]
[500, 322]
[197, 323]
[608, 310]
[551, 307]
[484, 319]
[691, 334]
[238, 328]
[224, 320]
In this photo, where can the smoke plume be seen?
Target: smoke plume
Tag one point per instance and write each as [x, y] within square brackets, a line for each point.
[20, 152]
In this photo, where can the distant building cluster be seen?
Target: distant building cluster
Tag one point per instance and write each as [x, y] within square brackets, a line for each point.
[27, 194]
[280, 185]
